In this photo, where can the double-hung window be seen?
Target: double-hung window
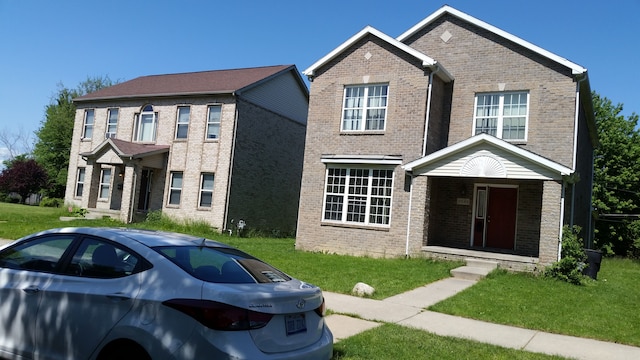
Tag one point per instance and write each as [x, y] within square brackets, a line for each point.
[503, 115]
[175, 187]
[206, 190]
[87, 130]
[112, 123]
[146, 123]
[364, 108]
[182, 123]
[358, 195]
[80, 182]
[213, 121]
[105, 183]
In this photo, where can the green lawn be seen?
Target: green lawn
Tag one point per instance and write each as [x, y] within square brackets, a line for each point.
[606, 309]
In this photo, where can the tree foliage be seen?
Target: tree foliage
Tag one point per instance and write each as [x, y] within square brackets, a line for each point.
[23, 176]
[616, 190]
[53, 146]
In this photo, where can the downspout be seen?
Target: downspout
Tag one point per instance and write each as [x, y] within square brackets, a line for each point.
[133, 192]
[561, 220]
[406, 248]
[233, 151]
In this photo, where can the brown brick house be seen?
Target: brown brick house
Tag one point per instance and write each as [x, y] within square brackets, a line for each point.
[454, 140]
[217, 146]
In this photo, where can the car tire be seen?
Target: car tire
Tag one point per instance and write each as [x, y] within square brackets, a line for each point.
[123, 350]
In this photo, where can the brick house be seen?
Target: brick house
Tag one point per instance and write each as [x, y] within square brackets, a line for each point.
[216, 146]
[454, 140]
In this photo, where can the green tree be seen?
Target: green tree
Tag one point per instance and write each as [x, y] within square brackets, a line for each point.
[53, 146]
[23, 176]
[616, 178]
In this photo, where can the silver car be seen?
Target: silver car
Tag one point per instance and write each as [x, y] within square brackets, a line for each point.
[106, 293]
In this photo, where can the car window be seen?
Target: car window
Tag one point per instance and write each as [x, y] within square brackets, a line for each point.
[101, 259]
[41, 254]
[222, 265]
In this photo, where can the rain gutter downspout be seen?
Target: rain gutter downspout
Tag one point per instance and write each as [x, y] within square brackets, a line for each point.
[406, 248]
[233, 151]
[434, 70]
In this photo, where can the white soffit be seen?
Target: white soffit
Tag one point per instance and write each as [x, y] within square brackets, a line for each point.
[426, 60]
[575, 68]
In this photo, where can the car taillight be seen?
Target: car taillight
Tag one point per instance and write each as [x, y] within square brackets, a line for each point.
[322, 309]
[220, 316]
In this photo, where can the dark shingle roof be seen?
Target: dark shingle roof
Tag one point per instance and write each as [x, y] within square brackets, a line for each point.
[128, 149]
[194, 83]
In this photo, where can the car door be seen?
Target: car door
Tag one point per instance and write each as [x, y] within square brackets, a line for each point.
[26, 270]
[83, 304]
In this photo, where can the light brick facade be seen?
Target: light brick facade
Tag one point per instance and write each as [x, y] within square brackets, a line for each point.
[442, 177]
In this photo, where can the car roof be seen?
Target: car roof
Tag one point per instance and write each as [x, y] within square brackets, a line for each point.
[150, 238]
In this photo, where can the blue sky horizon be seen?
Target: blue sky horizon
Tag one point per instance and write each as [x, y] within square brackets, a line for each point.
[48, 44]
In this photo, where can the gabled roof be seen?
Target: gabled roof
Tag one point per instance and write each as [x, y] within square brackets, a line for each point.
[194, 83]
[492, 141]
[426, 60]
[126, 149]
[576, 69]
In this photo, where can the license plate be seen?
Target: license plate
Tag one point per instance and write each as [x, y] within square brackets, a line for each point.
[295, 324]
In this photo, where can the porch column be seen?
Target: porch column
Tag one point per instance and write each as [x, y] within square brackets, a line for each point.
[550, 222]
[128, 192]
[92, 186]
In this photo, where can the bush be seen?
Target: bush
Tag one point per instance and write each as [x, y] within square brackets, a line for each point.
[51, 202]
[573, 257]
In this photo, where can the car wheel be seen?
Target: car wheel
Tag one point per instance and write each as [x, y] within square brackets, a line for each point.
[123, 350]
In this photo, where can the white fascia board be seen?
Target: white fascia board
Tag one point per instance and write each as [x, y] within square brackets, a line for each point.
[575, 68]
[426, 61]
[475, 140]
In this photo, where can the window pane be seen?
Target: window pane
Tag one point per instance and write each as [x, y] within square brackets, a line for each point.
[112, 121]
[206, 190]
[105, 183]
[213, 122]
[175, 188]
[80, 182]
[183, 122]
[39, 255]
[147, 127]
[88, 124]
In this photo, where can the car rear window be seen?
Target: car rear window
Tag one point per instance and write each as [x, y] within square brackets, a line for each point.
[222, 265]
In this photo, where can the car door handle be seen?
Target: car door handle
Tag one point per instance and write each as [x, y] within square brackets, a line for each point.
[33, 289]
[118, 297]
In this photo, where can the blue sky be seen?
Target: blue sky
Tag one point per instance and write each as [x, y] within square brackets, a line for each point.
[45, 43]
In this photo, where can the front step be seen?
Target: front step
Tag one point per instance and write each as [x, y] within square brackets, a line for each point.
[475, 269]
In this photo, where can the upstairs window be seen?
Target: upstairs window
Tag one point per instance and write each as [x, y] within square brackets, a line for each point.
[503, 115]
[112, 123]
[182, 123]
[365, 108]
[175, 187]
[358, 195]
[213, 122]
[146, 123]
[87, 130]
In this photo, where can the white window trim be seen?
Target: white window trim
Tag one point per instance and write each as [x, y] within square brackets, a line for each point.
[179, 123]
[206, 132]
[203, 190]
[86, 125]
[112, 134]
[345, 195]
[501, 114]
[365, 107]
[104, 184]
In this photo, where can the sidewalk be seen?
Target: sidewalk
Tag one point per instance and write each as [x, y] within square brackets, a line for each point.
[408, 309]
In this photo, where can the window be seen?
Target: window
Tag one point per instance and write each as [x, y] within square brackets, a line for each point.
[146, 123]
[100, 259]
[502, 115]
[365, 108]
[80, 182]
[42, 254]
[87, 131]
[206, 190]
[213, 122]
[358, 195]
[182, 125]
[112, 123]
[105, 183]
[175, 188]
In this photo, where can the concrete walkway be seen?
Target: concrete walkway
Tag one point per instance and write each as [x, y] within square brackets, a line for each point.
[358, 314]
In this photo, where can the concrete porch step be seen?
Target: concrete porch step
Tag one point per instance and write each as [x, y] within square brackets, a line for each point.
[475, 269]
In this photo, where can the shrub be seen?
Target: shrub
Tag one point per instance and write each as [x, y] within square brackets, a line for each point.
[51, 202]
[573, 257]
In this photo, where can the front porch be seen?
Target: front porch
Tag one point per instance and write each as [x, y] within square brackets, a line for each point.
[505, 261]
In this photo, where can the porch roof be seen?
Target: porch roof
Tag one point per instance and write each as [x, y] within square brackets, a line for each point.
[126, 149]
[484, 155]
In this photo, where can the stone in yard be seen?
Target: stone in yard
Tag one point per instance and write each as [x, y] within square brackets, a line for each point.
[361, 289]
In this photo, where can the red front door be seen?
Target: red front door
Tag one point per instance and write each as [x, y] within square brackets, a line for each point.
[496, 227]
